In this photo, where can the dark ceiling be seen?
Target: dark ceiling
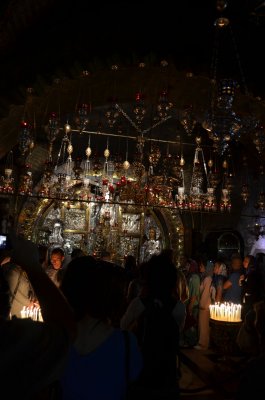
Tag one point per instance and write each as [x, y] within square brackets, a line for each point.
[46, 39]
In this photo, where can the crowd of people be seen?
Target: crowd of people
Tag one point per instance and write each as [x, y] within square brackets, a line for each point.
[238, 281]
[80, 351]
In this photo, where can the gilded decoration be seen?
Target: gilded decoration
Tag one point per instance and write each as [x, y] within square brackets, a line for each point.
[75, 219]
[97, 227]
[131, 223]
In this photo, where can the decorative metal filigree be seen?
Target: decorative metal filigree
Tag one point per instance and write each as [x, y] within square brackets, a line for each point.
[82, 119]
[223, 125]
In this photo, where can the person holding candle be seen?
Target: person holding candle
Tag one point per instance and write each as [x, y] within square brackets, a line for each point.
[21, 292]
[32, 353]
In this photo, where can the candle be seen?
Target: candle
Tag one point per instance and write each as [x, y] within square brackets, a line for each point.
[23, 312]
[228, 312]
[31, 312]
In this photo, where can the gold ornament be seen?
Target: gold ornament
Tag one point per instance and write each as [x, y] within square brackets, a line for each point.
[225, 164]
[126, 165]
[182, 161]
[210, 163]
[67, 128]
[70, 149]
[88, 151]
[106, 153]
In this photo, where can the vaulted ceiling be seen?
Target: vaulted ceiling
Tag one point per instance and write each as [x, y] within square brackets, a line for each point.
[45, 38]
[48, 39]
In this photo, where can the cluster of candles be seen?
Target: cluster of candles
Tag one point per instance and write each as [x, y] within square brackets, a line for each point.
[31, 312]
[225, 312]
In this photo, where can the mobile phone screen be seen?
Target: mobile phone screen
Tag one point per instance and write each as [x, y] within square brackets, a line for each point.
[3, 241]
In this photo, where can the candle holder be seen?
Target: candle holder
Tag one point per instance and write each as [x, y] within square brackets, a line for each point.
[225, 321]
[223, 337]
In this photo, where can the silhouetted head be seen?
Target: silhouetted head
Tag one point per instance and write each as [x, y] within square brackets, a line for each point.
[161, 276]
[236, 262]
[105, 255]
[77, 253]
[92, 287]
[249, 262]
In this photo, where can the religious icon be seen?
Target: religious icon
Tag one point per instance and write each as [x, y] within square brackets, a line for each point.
[151, 246]
[56, 239]
[131, 223]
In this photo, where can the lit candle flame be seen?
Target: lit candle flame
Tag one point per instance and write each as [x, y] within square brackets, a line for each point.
[31, 312]
[228, 312]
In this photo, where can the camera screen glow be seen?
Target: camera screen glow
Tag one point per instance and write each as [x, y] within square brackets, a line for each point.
[2, 241]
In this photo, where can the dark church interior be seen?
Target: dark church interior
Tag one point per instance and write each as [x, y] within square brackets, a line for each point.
[134, 128]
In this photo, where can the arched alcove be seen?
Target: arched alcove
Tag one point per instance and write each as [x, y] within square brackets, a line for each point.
[222, 244]
[93, 226]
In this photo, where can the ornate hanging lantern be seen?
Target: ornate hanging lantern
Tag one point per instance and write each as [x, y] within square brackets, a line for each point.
[25, 138]
[139, 108]
[82, 119]
[7, 180]
[112, 115]
[163, 106]
[188, 120]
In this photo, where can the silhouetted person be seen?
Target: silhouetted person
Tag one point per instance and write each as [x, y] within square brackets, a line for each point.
[96, 366]
[232, 291]
[251, 282]
[33, 354]
[77, 253]
[154, 316]
[251, 383]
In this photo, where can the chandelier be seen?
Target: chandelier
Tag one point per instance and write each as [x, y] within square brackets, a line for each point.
[152, 169]
[201, 195]
[223, 125]
[150, 179]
